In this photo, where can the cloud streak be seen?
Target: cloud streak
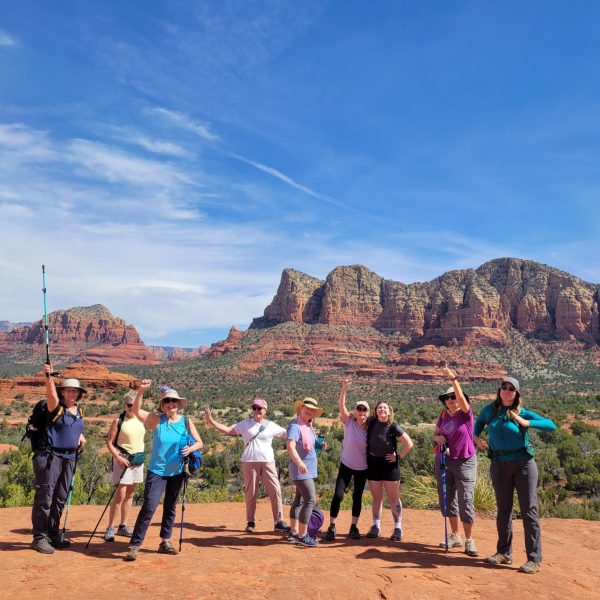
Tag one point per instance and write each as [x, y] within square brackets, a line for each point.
[185, 122]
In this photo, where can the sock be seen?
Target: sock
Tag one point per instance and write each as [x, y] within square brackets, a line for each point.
[377, 523]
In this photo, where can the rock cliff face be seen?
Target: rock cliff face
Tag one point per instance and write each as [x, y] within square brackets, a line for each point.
[473, 305]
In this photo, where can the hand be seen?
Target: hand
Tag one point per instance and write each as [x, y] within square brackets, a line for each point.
[302, 468]
[47, 370]
[391, 457]
[82, 443]
[439, 439]
[347, 382]
[123, 462]
[144, 384]
[450, 374]
[186, 450]
[514, 415]
[207, 416]
[480, 443]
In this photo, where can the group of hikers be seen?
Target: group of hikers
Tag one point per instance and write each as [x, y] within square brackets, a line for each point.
[372, 450]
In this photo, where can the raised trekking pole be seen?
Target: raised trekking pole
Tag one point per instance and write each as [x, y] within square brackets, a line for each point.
[105, 509]
[62, 533]
[443, 450]
[46, 334]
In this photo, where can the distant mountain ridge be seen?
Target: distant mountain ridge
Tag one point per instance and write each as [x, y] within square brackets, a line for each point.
[471, 304]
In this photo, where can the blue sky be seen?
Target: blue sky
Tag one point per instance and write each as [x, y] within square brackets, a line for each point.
[169, 159]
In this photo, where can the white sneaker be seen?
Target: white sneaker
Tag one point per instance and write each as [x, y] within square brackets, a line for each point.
[470, 548]
[454, 541]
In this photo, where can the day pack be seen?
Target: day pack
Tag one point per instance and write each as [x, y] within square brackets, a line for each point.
[38, 422]
[194, 460]
[317, 518]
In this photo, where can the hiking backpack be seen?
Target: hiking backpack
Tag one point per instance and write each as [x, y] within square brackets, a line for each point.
[194, 460]
[38, 422]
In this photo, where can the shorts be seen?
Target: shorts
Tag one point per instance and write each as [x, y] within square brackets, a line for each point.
[131, 476]
[380, 469]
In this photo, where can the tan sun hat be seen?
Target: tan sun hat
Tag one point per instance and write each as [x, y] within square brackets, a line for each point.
[172, 394]
[309, 403]
[71, 383]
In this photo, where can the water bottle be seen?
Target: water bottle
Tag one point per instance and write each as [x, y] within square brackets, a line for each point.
[320, 442]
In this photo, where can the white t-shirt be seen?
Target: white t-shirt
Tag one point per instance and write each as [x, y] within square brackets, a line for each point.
[260, 449]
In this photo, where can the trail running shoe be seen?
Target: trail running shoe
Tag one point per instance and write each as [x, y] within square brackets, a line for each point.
[166, 547]
[373, 532]
[292, 537]
[60, 544]
[499, 559]
[250, 526]
[454, 541]
[109, 534]
[470, 548]
[354, 533]
[43, 546]
[530, 567]
[132, 554]
[330, 533]
[124, 530]
[396, 535]
[282, 526]
[307, 542]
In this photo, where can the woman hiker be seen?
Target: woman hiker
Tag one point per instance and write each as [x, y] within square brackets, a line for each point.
[512, 467]
[258, 460]
[125, 437]
[383, 470]
[166, 465]
[353, 462]
[301, 438]
[454, 436]
[54, 461]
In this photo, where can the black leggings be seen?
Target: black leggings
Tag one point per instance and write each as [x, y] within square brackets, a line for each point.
[341, 485]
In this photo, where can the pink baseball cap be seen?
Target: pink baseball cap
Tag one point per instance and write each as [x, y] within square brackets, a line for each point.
[259, 402]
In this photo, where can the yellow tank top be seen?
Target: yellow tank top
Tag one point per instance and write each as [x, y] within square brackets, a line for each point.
[131, 436]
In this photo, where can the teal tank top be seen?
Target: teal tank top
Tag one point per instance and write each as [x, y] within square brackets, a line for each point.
[166, 459]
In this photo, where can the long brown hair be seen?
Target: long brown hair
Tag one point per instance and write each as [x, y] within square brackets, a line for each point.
[516, 405]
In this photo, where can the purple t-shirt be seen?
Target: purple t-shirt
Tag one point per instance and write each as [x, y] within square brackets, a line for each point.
[354, 448]
[458, 431]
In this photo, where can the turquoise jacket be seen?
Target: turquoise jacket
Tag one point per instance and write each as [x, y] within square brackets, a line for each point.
[506, 436]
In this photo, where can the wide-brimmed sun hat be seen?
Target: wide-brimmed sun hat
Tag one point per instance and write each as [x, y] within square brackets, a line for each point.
[71, 383]
[309, 403]
[172, 394]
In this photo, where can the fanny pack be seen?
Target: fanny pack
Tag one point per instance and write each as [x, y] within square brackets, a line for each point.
[528, 452]
[135, 459]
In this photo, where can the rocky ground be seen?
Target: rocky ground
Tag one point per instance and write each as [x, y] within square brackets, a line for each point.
[220, 561]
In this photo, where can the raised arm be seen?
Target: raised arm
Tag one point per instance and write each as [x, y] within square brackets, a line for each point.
[344, 414]
[150, 420]
[460, 397]
[52, 399]
[210, 422]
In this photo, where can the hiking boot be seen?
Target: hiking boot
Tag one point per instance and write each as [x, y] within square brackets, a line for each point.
[165, 547]
[354, 533]
[330, 533]
[454, 541]
[250, 526]
[373, 532]
[307, 542]
[124, 530]
[292, 537]
[42, 545]
[282, 526]
[530, 567]
[109, 534]
[60, 544]
[499, 559]
[132, 554]
[470, 548]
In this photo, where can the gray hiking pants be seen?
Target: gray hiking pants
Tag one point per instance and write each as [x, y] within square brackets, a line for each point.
[521, 475]
[304, 500]
[52, 481]
[460, 488]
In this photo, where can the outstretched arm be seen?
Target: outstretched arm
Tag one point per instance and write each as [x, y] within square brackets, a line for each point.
[208, 418]
[344, 414]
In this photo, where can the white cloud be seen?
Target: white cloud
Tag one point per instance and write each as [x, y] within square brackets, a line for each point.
[8, 40]
[153, 145]
[186, 122]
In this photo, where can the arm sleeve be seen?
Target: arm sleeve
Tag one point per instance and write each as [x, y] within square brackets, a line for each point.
[537, 421]
[293, 432]
[398, 430]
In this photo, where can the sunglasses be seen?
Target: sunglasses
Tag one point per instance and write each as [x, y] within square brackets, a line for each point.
[129, 405]
[257, 408]
[508, 387]
[362, 409]
[451, 397]
[171, 401]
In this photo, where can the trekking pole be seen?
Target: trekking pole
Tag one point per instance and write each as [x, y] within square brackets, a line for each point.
[105, 508]
[62, 533]
[186, 474]
[443, 473]
[46, 334]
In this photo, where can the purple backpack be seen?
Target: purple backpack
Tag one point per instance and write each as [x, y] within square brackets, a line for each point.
[316, 522]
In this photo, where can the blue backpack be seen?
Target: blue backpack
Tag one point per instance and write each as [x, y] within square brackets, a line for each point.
[194, 460]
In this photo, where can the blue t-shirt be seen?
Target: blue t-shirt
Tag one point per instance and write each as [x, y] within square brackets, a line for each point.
[65, 432]
[309, 458]
[166, 458]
